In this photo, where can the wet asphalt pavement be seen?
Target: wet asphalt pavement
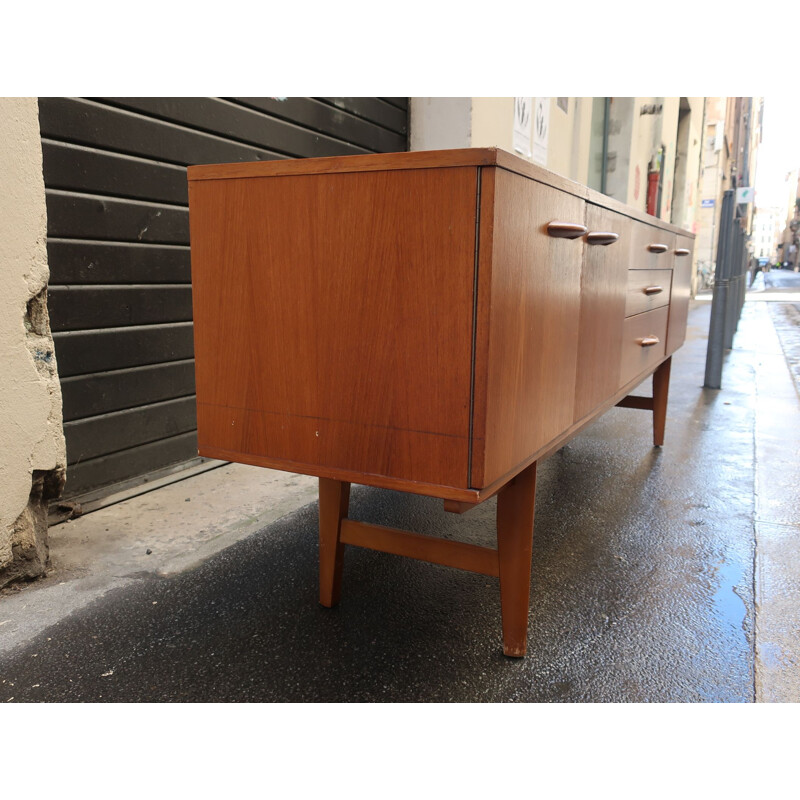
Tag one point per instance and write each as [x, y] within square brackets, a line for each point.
[643, 589]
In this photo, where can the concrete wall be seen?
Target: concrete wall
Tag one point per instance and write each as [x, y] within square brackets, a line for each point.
[685, 213]
[440, 123]
[492, 122]
[619, 175]
[32, 451]
[714, 179]
[569, 140]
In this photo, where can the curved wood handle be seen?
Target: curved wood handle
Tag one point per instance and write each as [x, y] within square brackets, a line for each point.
[566, 230]
[657, 248]
[648, 341]
[682, 251]
[648, 290]
[601, 237]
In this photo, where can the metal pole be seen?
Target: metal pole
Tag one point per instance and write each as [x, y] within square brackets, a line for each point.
[743, 281]
[730, 311]
[606, 127]
[734, 306]
[743, 265]
[719, 300]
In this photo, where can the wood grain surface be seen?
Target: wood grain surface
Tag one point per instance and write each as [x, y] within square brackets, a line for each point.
[378, 162]
[681, 292]
[515, 511]
[345, 326]
[645, 235]
[636, 358]
[527, 338]
[333, 319]
[447, 552]
[638, 299]
[603, 280]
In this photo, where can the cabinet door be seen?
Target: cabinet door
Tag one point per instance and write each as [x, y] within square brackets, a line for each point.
[603, 289]
[681, 290]
[526, 324]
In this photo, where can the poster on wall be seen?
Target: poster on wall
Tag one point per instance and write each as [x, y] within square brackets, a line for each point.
[541, 129]
[523, 107]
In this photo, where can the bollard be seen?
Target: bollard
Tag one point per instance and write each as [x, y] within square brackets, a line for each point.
[732, 304]
[720, 297]
[716, 330]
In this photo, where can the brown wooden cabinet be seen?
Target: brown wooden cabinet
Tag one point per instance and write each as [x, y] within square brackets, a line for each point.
[433, 322]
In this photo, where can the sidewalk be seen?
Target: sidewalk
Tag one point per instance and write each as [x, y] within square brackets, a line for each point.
[659, 575]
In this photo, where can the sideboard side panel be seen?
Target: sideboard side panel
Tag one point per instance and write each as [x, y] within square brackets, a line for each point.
[333, 320]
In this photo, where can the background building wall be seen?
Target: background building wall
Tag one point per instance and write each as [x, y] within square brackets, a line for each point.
[767, 228]
[570, 136]
[492, 123]
[645, 139]
[620, 139]
[32, 452]
[685, 209]
[714, 179]
[440, 123]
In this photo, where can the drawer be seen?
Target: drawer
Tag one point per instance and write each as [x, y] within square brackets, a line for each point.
[647, 289]
[651, 247]
[637, 355]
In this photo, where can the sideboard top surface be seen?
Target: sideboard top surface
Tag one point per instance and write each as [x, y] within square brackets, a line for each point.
[422, 159]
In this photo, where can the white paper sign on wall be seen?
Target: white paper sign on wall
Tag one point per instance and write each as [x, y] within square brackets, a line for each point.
[541, 129]
[523, 114]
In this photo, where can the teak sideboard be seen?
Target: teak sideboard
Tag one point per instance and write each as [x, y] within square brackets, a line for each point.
[429, 322]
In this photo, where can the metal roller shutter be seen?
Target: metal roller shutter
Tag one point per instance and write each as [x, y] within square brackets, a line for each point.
[118, 245]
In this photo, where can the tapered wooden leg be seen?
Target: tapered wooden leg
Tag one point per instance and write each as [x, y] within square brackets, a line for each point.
[334, 498]
[515, 505]
[660, 395]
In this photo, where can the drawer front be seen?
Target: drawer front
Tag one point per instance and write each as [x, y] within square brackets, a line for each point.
[637, 355]
[647, 289]
[651, 247]
[679, 296]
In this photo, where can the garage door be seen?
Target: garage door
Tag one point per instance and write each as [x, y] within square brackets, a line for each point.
[118, 246]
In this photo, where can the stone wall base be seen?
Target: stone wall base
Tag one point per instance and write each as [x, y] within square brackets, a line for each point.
[29, 547]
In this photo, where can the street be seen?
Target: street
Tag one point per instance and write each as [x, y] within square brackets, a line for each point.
[781, 280]
[660, 575]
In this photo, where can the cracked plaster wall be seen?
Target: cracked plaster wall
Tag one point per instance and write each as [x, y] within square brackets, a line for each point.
[32, 449]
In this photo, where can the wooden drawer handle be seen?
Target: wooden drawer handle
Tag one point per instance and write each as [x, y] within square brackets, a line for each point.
[601, 237]
[648, 341]
[657, 248]
[566, 230]
[648, 290]
[682, 251]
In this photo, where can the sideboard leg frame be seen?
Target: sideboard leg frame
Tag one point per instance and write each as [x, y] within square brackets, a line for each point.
[515, 507]
[660, 396]
[334, 500]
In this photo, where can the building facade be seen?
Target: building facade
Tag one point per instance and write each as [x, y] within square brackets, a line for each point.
[789, 245]
[768, 224]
